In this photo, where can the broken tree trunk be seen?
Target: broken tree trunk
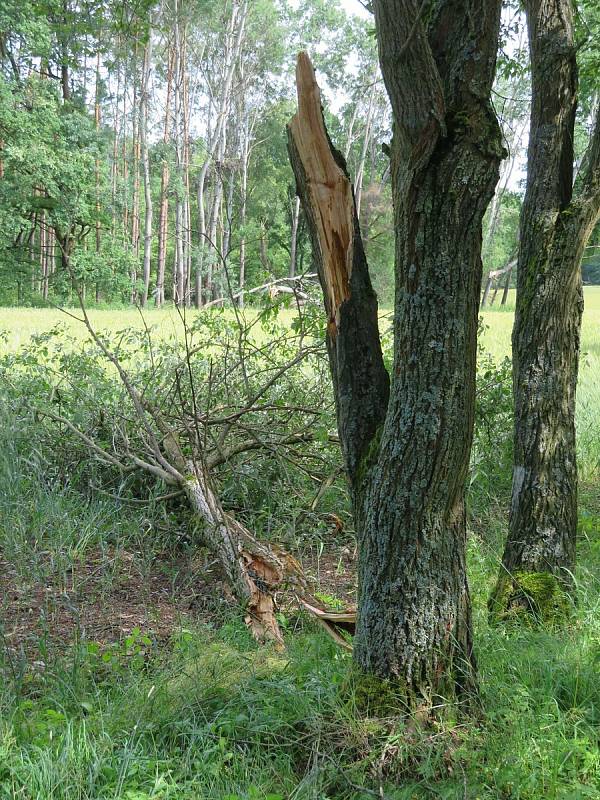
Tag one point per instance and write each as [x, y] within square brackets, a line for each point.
[407, 449]
[360, 379]
[253, 570]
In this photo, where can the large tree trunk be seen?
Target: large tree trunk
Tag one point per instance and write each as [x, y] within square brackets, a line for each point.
[555, 225]
[407, 459]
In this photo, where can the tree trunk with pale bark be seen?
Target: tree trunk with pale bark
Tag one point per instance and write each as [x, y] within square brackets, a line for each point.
[144, 102]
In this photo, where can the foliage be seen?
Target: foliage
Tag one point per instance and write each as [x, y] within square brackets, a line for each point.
[491, 457]
[70, 147]
[208, 714]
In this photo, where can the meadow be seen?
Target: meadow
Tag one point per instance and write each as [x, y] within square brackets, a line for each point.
[125, 673]
[19, 324]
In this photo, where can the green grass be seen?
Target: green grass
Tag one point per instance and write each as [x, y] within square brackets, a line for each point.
[20, 324]
[496, 340]
[208, 715]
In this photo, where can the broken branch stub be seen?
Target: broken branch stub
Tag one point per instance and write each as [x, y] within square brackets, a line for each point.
[329, 190]
[360, 379]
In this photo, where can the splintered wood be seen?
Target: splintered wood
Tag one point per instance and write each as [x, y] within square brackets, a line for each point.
[329, 191]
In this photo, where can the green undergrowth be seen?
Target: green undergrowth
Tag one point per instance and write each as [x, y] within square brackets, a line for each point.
[203, 713]
[530, 598]
[213, 716]
[209, 714]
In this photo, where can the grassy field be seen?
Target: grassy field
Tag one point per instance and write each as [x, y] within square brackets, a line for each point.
[20, 324]
[124, 673]
[496, 340]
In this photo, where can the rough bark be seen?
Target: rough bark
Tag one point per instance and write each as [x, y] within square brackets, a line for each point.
[445, 159]
[408, 459]
[555, 226]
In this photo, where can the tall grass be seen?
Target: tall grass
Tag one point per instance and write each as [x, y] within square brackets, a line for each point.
[208, 715]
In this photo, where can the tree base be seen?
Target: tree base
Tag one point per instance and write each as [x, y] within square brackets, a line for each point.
[530, 598]
[372, 696]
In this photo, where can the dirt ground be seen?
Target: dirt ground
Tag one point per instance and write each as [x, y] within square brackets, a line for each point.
[108, 594]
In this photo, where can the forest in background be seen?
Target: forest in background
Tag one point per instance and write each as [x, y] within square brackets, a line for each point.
[312, 548]
[142, 147]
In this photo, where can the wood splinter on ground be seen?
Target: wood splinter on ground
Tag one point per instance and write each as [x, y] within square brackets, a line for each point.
[336, 623]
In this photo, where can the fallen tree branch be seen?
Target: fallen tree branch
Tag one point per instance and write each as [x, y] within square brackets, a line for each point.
[279, 282]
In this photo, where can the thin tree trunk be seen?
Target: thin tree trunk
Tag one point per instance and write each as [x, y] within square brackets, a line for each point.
[294, 238]
[178, 264]
[163, 218]
[233, 46]
[246, 135]
[144, 101]
[186, 180]
[539, 557]
[214, 266]
[97, 165]
[65, 82]
[228, 217]
[486, 291]
[365, 147]
[135, 168]
[350, 134]
[115, 156]
[506, 288]
[43, 255]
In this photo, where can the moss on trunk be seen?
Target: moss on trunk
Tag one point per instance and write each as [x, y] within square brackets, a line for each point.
[531, 598]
